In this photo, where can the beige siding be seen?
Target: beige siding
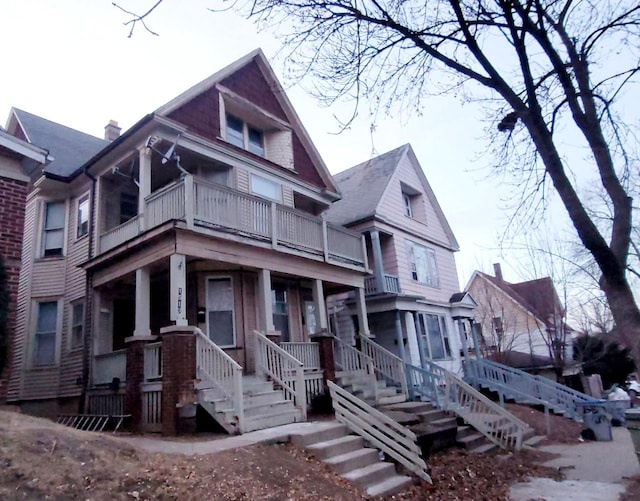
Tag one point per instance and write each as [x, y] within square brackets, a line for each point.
[392, 206]
[24, 301]
[522, 332]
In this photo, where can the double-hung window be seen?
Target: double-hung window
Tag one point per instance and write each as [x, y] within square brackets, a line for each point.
[422, 263]
[45, 335]
[433, 334]
[83, 217]
[53, 229]
[245, 136]
[77, 325]
[220, 314]
[280, 311]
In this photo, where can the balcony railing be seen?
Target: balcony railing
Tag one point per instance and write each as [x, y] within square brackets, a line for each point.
[211, 205]
[391, 284]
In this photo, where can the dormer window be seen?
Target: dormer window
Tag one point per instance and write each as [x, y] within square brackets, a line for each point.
[412, 203]
[245, 136]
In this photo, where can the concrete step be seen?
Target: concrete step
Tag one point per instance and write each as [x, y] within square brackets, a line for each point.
[413, 407]
[268, 408]
[446, 422]
[481, 449]
[352, 460]
[472, 441]
[432, 415]
[390, 486]
[371, 474]
[391, 399]
[532, 442]
[272, 420]
[336, 446]
[403, 418]
[465, 431]
[333, 430]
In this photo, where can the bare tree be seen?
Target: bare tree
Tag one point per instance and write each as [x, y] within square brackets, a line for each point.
[547, 70]
[550, 69]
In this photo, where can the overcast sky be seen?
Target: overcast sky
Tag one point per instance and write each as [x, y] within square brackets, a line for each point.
[71, 61]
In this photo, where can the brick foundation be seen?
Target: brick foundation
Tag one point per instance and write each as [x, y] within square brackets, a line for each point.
[327, 361]
[135, 378]
[178, 376]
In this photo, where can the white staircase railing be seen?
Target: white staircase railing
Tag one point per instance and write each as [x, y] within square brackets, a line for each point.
[395, 440]
[215, 367]
[526, 388]
[386, 363]
[349, 359]
[284, 369]
[307, 353]
[448, 392]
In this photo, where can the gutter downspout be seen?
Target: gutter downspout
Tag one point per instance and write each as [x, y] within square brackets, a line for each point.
[88, 309]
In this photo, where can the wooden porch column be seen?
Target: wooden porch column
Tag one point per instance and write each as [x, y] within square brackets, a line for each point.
[144, 181]
[412, 339]
[400, 336]
[143, 303]
[178, 288]
[381, 285]
[265, 306]
[320, 307]
[361, 306]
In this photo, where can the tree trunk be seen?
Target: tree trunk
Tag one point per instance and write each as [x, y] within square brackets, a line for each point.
[626, 315]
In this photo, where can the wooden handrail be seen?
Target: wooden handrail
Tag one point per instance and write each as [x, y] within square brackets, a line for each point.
[217, 367]
[386, 434]
[276, 363]
[386, 363]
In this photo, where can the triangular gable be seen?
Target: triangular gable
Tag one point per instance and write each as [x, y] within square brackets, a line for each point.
[15, 127]
[252, 78]
[495, 285]
[426, 189]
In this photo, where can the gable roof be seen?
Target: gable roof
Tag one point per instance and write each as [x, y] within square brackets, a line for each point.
[364, 186]
[69, 148]
[257, 57]
[537, 296]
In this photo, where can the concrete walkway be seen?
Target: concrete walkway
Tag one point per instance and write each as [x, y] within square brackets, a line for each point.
[595, 471]
[225, 442]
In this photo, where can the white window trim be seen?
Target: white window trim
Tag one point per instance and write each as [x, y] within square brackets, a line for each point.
[72, 304]
[253, 176]
[233, 310]
[77, 212]
[408, 207]
[444, 333]
[41, 222]
[246, 125]
[34, 325]
[434, 283]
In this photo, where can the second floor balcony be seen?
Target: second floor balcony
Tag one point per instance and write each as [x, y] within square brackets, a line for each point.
[390, 284]
[206, 205]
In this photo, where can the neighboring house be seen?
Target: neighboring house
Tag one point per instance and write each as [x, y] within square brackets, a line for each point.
[522, 323]
[413, 303]
[17, 159]
[203, 214]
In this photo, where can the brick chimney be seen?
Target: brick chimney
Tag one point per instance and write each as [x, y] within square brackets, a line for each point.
[497, 271]
[112, 131]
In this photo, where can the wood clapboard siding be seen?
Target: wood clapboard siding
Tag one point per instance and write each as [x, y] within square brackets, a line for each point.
[391, 205]
[242, 178]
[23, 307]
[287, 196]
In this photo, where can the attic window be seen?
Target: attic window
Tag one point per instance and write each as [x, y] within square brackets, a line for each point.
[245, 136]
[408, 208]
[412, 203]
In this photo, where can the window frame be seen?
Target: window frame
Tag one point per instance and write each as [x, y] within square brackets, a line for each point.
[72, 324]
[275, 288]
[408, 205]
[278, 186]
[81, 230]
[35, 343]
[233, 309]
[425, 335]
[44, 230]
[432, 263]
[247, 129]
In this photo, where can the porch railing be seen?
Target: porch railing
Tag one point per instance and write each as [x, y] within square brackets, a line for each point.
[307, 353]
[212, 205]
[391, 284]
[218, 370]
[389, 436]
[389, 365]
[283, 369]
[524, 387]
[108, 366]
[153, 361]
[121, 233]
[349, 359]
[448, 392]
